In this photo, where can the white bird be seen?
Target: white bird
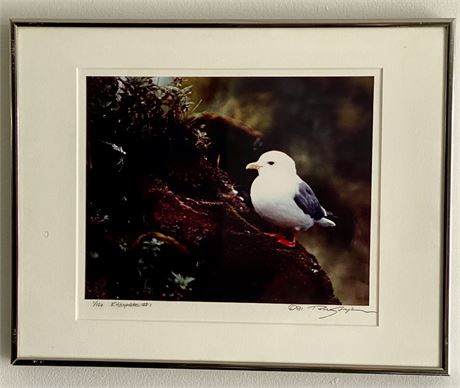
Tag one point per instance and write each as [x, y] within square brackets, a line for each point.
[281, 197]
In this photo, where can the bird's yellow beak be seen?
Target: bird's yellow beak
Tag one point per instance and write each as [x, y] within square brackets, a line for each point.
[253, 166]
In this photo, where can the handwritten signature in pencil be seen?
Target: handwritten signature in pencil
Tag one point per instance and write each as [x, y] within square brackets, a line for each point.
[329, 311]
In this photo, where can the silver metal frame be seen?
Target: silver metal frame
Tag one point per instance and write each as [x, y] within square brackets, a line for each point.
[448, 24]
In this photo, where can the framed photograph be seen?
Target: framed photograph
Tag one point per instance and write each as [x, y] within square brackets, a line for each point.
[232, 194]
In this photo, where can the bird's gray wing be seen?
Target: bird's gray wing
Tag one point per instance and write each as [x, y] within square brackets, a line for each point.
[307, 201]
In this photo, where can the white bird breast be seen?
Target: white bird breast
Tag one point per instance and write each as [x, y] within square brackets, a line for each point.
[272, 196]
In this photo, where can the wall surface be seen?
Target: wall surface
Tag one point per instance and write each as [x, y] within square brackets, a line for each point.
[205, 9]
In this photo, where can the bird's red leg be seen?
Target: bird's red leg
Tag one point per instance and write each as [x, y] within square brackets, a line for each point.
[281, 239]
[287, 243]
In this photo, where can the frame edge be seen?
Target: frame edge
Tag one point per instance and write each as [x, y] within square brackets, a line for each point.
[448, 23]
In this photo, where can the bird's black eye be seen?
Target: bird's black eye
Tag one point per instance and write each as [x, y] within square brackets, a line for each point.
[271, 163]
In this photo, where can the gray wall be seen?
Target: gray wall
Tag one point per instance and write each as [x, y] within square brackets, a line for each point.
[204, 9]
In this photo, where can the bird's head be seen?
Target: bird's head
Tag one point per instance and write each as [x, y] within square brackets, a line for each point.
[273, 161]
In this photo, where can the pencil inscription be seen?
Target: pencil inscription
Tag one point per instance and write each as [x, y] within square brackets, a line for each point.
[118, 304]
[328, 311]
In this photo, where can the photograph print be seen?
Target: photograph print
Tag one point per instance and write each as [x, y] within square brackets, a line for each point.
[229, 189]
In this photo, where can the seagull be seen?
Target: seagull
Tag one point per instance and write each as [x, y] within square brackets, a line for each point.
[282, 198]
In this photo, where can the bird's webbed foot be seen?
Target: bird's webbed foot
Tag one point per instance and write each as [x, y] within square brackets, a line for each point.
[281, 239]
[286, 243]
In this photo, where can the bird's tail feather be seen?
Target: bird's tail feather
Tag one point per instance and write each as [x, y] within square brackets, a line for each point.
[325, 222]
[329, 214]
